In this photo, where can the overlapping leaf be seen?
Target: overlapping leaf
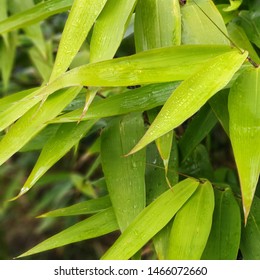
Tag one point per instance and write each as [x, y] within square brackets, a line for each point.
[244, 127]
[224, 238]
[109, 29]
[95, 226]
[34, 14]
[33, 122]
[82, 208]
[192, 224]
[192, 94]
[82, 16]
[151, 220]
[124, 175]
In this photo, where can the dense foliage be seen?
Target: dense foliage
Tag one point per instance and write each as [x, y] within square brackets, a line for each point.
[160, 102]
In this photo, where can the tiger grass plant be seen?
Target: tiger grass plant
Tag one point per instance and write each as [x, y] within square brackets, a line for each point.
[153, 78]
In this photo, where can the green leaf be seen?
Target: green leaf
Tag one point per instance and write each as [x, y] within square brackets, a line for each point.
[33, 122]
[244, 127]
[151, 220]
[38, 142]
[197, 130]
[154, 66]
[205, 13]
[33, 32]
[234, 5]
[239, 37]
[157, 24]
[250, 238]
[81, 18]
[35, 14]
[140, 99]
[14, 106]
[7, 54]
[249, 20]
[198, 164]
[192, 224]
[82, 208]
[192, 94]
[219, 105]
[67, 136]
[124, 175]
[100, 224]
[224, 238]
[109, 29]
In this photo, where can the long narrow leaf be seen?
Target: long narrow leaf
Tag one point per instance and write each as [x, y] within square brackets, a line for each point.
[192, 94]
[66, 137]
[192, 224]
[140, 99]
[124, 176]
[97, 225]
[82, 208]
[82, 16]
[109, 29]
[33, 122]
[224, 238]
[244, 127]
[35, 14]
[151, 220]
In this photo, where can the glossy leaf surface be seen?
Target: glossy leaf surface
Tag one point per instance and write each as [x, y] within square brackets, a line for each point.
[192, 224]
[192, 94]
[124, 175]
[244, 127]
[150, 221]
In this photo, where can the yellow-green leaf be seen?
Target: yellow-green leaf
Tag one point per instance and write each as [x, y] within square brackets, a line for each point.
[82, 16]
[151, 220]
[224, 238]
[157, 24]
[197, 28]
[109, 29]
[124, 175]
[244, 128]
[192, 94]
[99, 224]
[33, 122]
[86, 207]
[192, 224]
[67, 136]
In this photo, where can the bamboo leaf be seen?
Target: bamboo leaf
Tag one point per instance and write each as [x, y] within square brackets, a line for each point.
[124, 176]
[244, 127]
[100, 224]
[149, 221]
[157, 24]
[140, 99]
[33, 122]
[219, 105]
[192, 94]
[224, 238]
[239, 37]
[153, 66]
[82, 16]
[67, 136]
[234, 5]
[33, 32]
[196, 33]
[82, 208]
[109, 29]
[14, 106]
[250, 238]
[34, 14]
[197, 130]
[7, 54]
[192, 224]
